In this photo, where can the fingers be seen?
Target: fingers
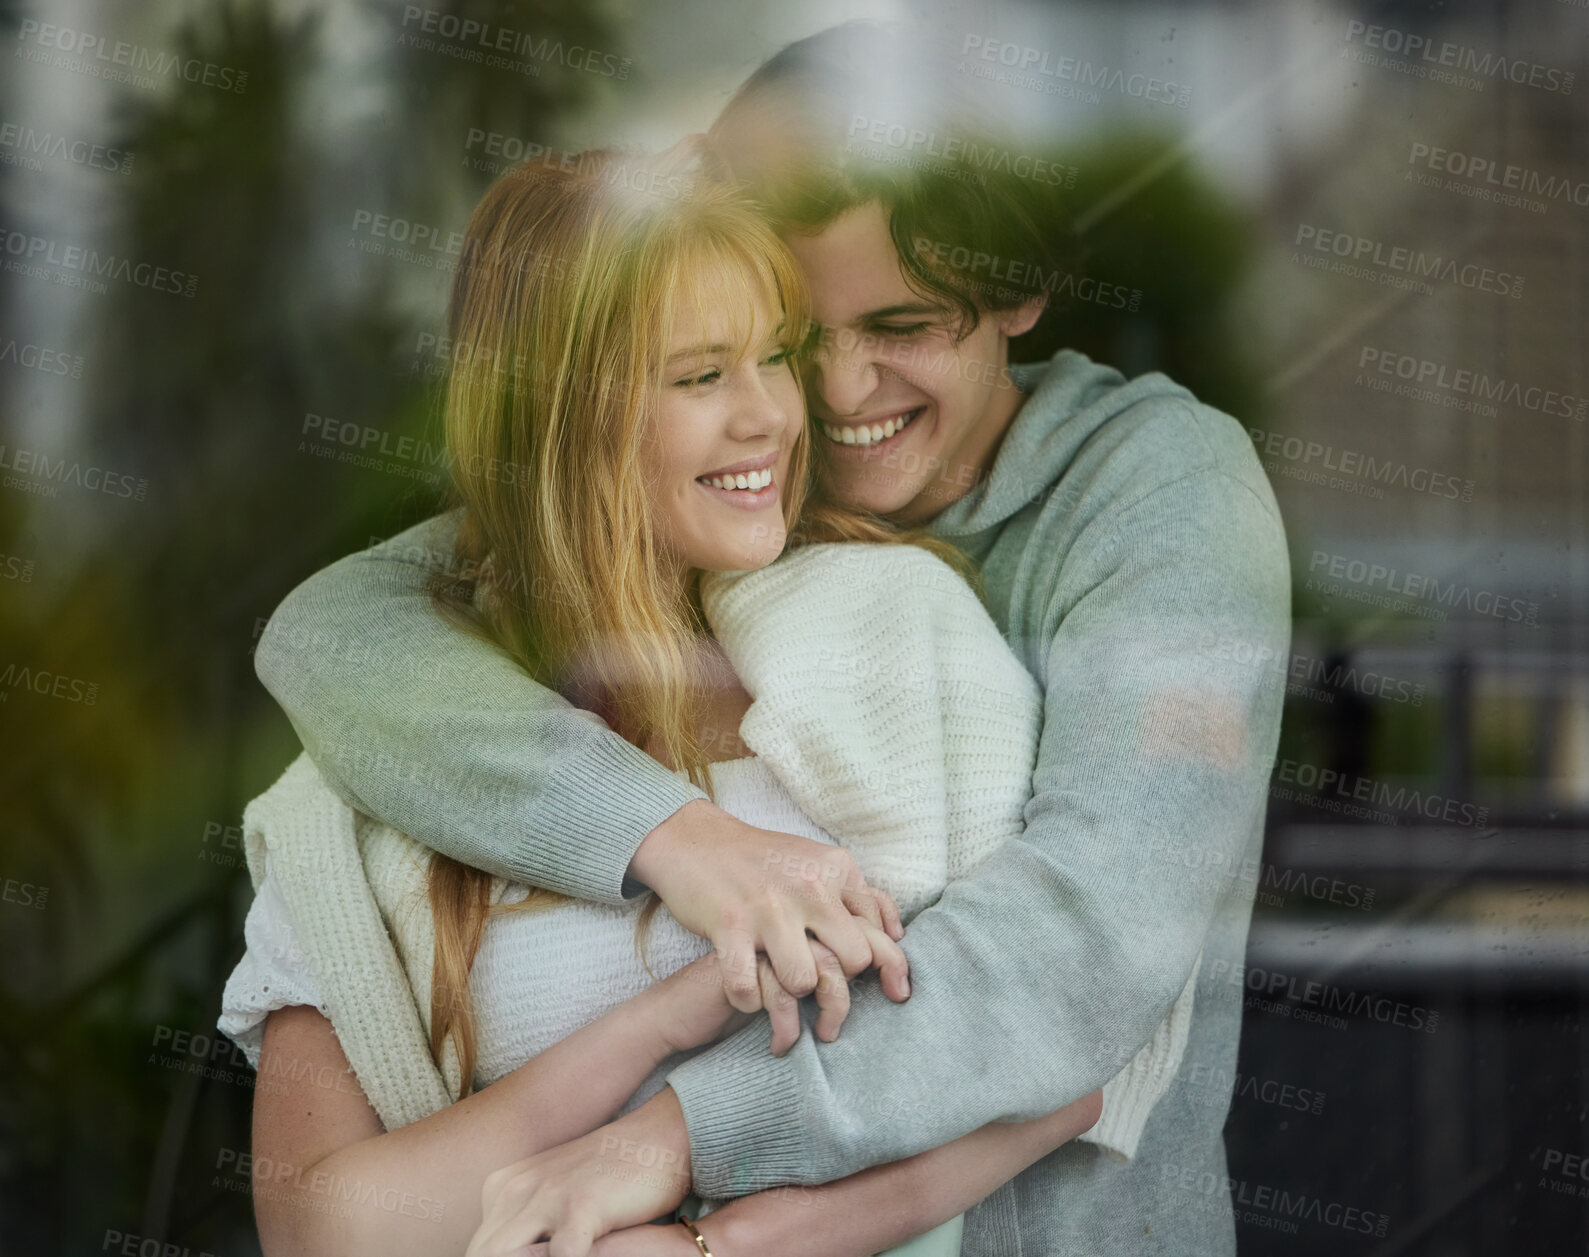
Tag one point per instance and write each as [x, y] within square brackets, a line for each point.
[512, 1235]
[846, 937]
[877, 908]
[892, 965]
[892, 925]
[789, 950]
[859, 945]
[514, 1238]
[833, 993]
[573, 1238]
[736, 962]
[503, 1194]
[783, 1010]
[863, 903]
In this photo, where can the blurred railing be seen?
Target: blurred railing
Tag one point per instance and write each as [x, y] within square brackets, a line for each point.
[1496, 903]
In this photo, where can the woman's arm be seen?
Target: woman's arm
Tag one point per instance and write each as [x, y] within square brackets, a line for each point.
[329, 1180]
[866, 1212]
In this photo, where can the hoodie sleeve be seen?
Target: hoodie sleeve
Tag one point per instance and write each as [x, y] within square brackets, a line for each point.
[1077, 933]
[442, 736]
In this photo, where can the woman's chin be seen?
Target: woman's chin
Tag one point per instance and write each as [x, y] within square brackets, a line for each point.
[746, 558]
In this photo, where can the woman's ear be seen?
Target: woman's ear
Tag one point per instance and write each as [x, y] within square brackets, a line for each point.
[1022, 318]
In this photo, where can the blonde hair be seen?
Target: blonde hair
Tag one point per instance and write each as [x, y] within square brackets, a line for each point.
[561, 313]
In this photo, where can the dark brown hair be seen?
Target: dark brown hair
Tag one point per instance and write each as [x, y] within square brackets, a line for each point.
[974, 227]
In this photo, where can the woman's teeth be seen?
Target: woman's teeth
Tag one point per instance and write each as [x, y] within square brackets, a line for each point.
[869, 435]
[743, 480]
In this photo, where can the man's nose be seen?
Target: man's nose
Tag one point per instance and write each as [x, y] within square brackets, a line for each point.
[842, 376]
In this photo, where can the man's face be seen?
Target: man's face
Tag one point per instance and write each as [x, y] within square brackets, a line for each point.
[911, 415]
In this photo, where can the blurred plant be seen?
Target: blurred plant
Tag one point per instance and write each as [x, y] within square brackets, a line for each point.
[107, 803]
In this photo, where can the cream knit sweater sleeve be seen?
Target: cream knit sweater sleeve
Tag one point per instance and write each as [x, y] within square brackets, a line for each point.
[319, 848]
[893, 711]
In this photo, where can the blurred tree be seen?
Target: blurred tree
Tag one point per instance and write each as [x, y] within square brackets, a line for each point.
[109, 803]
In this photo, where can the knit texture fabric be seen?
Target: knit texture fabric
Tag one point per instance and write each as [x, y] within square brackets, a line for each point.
[884, 701]
[887, 701]
[316, 861]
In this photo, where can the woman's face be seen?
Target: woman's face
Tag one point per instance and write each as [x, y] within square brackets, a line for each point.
[728, 415]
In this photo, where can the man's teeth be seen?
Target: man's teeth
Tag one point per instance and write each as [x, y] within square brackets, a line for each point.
[742, 480]
[865, 435]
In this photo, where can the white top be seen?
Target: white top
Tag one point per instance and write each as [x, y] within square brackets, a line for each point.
[539, 975]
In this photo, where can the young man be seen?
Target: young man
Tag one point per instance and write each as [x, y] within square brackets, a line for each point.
[1131, 551]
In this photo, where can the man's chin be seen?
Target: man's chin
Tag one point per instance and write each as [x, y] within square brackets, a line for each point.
[879, 490]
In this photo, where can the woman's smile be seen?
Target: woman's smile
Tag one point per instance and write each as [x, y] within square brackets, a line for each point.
[747, 484]
[765, 493]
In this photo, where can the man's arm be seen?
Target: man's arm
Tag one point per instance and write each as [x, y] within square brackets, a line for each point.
[443, 736]
[1079, 933]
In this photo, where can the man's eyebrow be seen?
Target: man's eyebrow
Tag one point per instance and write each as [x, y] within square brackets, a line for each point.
[913, 309]
[893, 312]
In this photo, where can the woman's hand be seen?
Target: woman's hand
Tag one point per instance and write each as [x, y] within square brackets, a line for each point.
[636, 1241]
[690, 1008]
[647, 1241]
[621, 1175]
[752, 891]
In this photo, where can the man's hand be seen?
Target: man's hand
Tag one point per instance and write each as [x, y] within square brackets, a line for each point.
[620, 1175]
[750, 890]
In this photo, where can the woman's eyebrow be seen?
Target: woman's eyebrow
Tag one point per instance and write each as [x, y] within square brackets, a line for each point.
[704, 351]
[699, 351]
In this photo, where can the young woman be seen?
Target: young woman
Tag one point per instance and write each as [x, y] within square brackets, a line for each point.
[632, 457]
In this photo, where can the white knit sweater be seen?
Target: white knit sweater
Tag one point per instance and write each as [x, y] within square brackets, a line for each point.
[886, 704]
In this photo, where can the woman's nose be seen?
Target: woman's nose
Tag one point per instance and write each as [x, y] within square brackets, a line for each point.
[760, 409]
